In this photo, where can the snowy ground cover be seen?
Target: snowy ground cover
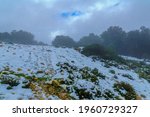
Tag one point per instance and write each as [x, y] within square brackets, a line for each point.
[46, 72]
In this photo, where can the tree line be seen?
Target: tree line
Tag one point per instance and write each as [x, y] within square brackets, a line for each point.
[19, 37]
[133, 43]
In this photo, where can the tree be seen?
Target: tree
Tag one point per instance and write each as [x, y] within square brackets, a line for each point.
[145, 41]
[5, 37]
[63, 41]
[138, 43]
[22, 37]
[132, 42]
[114, 38]
[90, 39]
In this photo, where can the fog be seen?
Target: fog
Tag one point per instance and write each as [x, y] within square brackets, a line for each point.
[75, 18]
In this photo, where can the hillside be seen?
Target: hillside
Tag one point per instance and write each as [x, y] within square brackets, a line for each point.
[46, 72]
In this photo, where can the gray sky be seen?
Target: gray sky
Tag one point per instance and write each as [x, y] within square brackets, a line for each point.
[76, 18]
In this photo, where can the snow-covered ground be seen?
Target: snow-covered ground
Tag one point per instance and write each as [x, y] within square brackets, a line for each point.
[57, 63]
[68, 55]
[26, 57]
[23, 59]
[136, 59]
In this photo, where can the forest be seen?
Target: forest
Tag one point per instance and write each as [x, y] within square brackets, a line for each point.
[132, 43]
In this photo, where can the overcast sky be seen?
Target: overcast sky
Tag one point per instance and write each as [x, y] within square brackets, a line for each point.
[76, 18]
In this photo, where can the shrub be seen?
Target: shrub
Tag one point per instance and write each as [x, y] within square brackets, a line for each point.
[112, 71]
[9, 87]
[129, 93]
[83, 93]
[108, 94]
[9, 80]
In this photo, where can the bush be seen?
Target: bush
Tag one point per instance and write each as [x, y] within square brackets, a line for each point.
[108, 95]
[112, 71]
[83, 94]
[129, 94]
[100, 51]
[9, 80]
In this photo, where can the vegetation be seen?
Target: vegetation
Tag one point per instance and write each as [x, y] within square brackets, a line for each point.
[89, 40]
[41, 86]
[63, 41]
[125, 90]
[133, 43]
[5, 79]
[114, 38]
[141, 68]
[112, 71]
[81, 83]
[99, 51]
[19, 37]
[127, 76]
[86, 74]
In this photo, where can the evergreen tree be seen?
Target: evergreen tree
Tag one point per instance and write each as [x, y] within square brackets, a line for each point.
[63, 41]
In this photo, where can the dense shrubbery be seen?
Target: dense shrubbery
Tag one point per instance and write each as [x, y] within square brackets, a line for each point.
[19, 37]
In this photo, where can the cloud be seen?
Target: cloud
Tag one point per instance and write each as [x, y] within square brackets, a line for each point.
[76, 18]
[53, 34]
[47, 3]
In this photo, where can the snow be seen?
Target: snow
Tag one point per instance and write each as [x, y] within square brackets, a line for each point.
[136, 59]
[31, 59]
[131, 58]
